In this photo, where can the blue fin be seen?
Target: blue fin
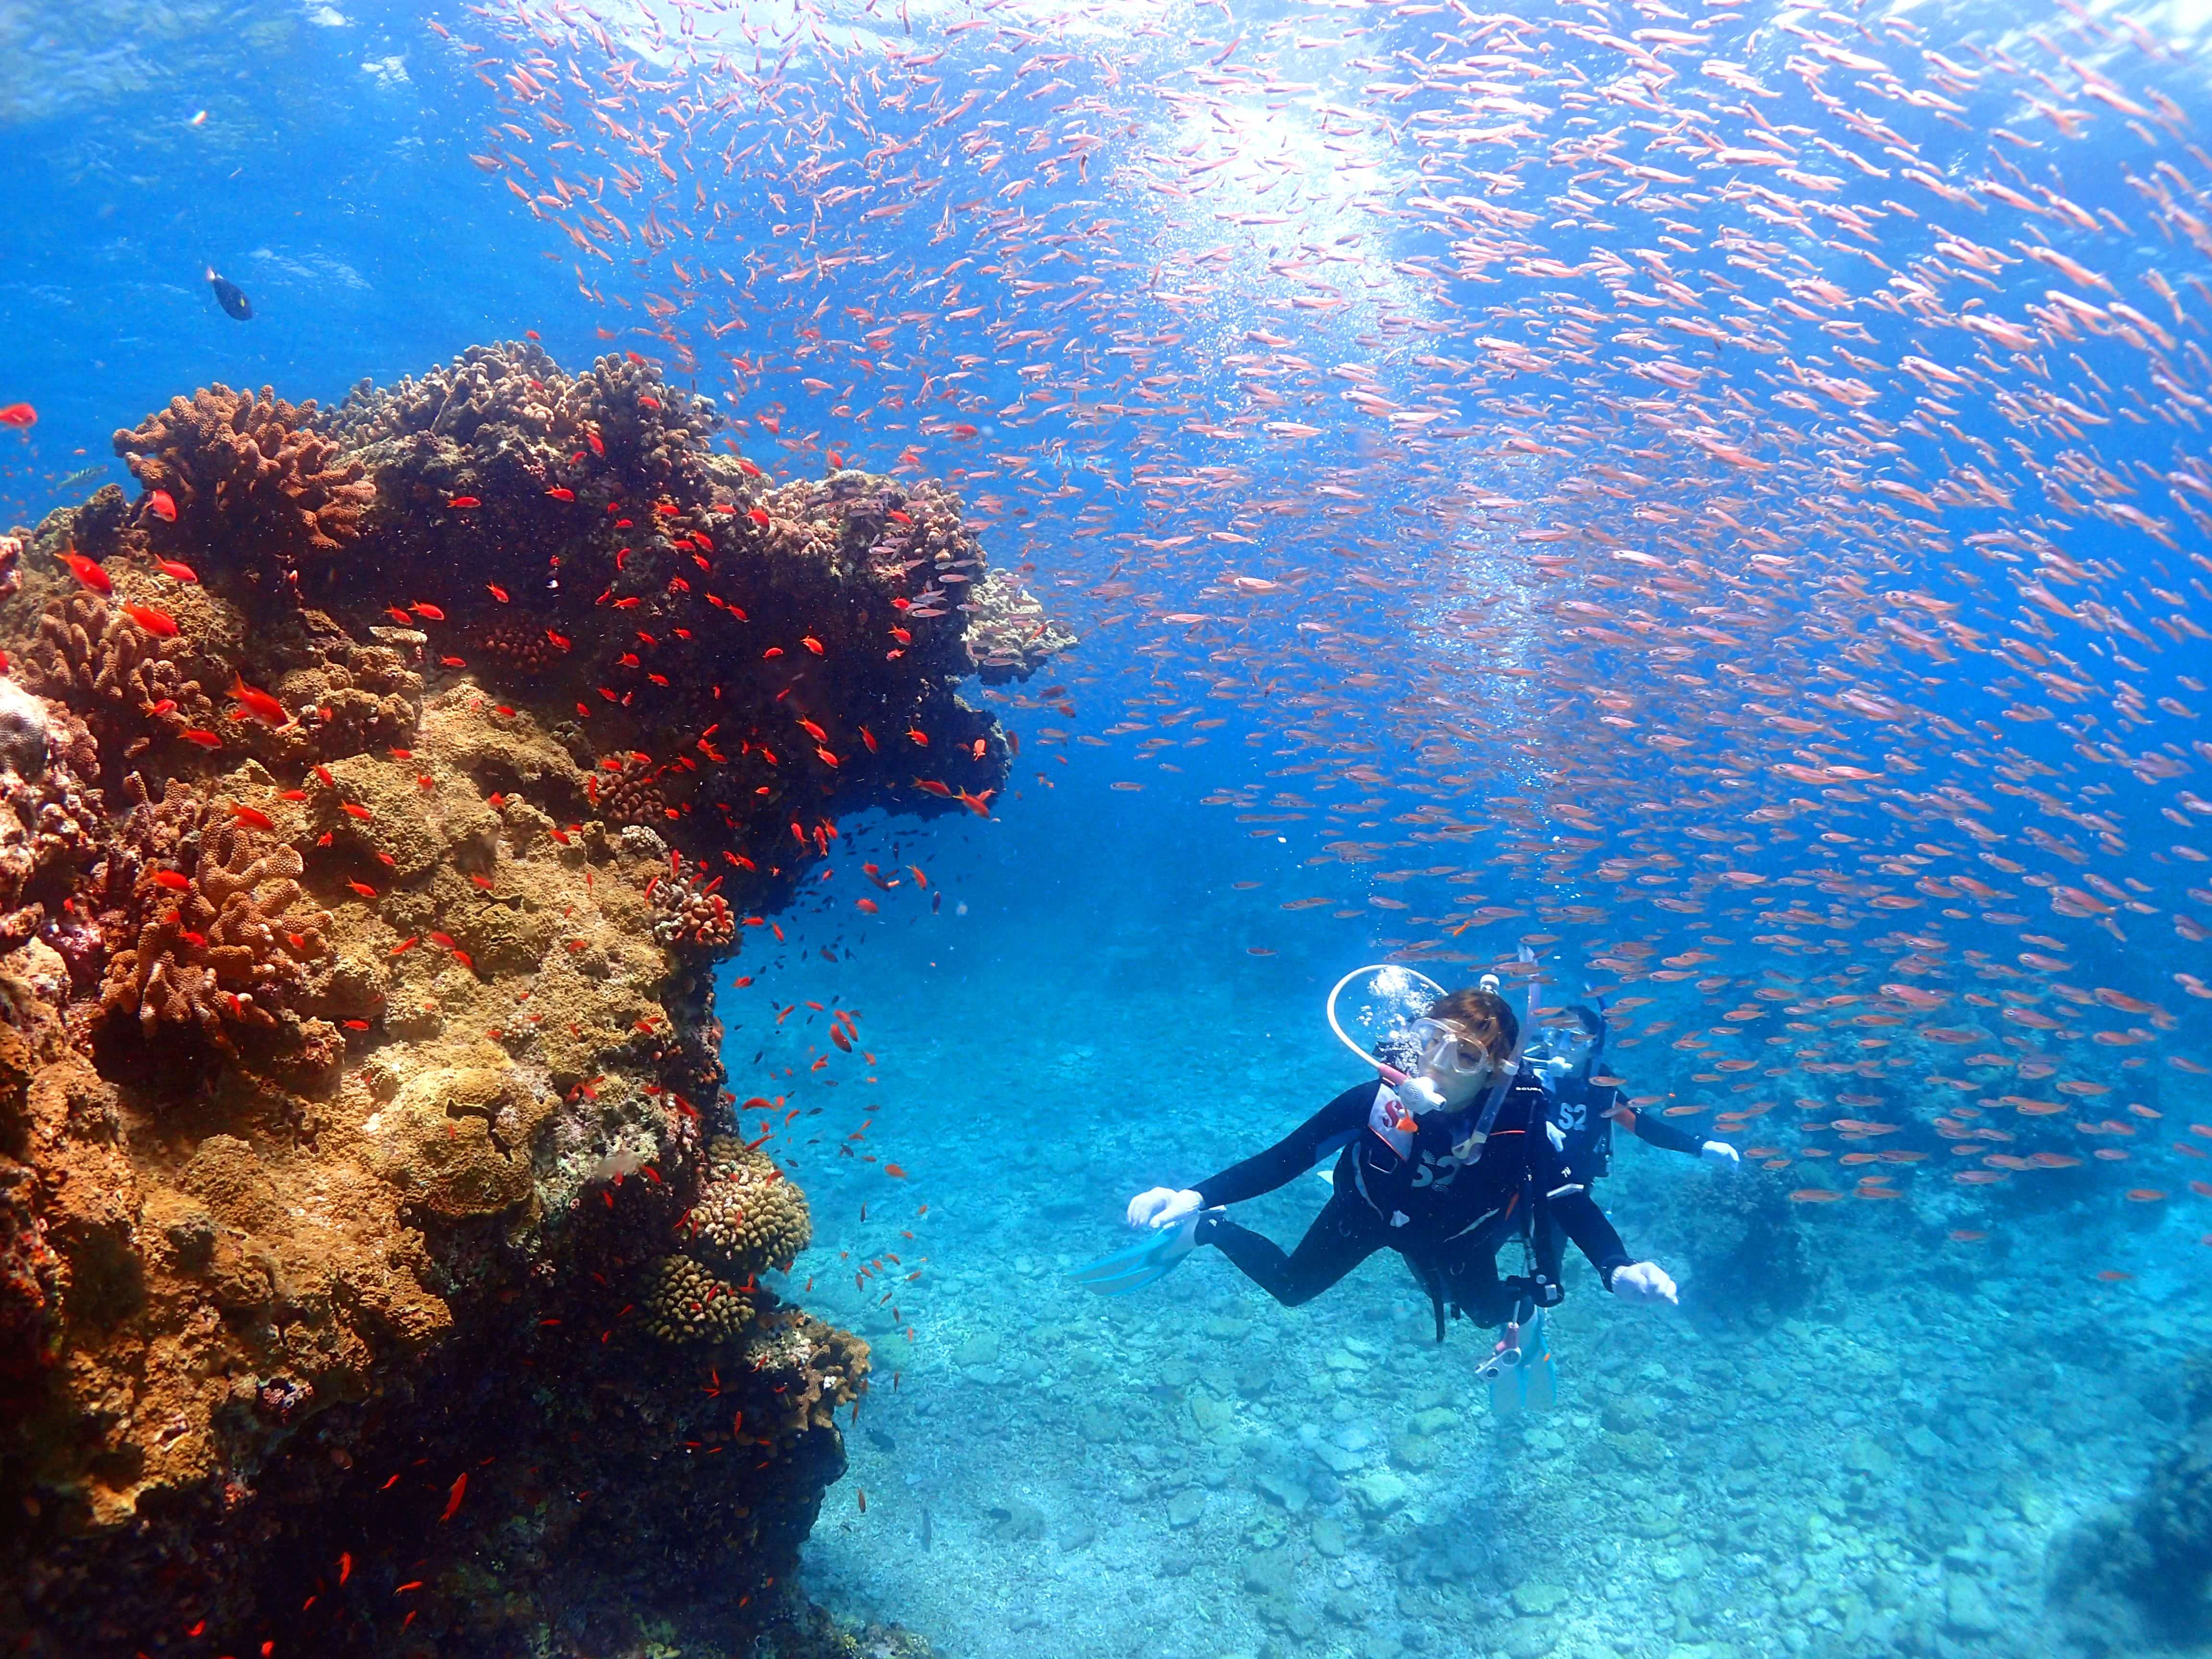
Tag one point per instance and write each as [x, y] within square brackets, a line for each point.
[1141, 1264]
[1532, 1385]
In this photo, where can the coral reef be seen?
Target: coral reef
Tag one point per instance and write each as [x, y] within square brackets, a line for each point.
[375, 802]
[249, 474]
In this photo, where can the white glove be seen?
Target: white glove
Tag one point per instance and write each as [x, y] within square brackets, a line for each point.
[1645, 1282]
[1719, 1151]
[1418, 1096]
[1164, 1207]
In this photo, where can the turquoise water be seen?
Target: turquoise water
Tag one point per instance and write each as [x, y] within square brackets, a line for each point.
[1717, 497]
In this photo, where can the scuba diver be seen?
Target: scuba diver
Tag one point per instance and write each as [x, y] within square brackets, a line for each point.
[1569, 1041]
[1445, 1162]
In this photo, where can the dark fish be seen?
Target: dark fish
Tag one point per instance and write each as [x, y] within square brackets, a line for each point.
[925, 1530]
[231, 297]
[881, 1440]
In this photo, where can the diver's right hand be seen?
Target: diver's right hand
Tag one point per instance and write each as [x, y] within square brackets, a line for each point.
[1164, 1207]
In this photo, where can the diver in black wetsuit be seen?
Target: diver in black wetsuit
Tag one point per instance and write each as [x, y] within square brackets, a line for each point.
[1568, 1044]
[1444, 1168]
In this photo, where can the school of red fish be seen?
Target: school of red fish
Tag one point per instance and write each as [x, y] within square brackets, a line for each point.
[1723, 485]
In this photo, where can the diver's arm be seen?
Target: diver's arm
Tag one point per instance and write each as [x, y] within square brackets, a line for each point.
[1581, 1220]
[1297, 1153]
[1654, 1131]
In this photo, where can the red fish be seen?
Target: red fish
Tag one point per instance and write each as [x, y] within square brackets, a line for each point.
[363, 888]
[88, 572]
[252, 817]
[431, 612]
[175, 572]
[205, 739]
[453, 1497]
[398, 615]
[172, 880]
[158, 624]
[21, 416]
[758, 518]
[894, 1172]
[867, 906]
[899, 516]
[496, 592]
[163, 506]
[465, 502]
[353, 809]
[258, 705]
[560, 494]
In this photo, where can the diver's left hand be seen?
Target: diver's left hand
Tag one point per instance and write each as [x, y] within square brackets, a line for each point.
[1719, 1151]
[1643, 1282]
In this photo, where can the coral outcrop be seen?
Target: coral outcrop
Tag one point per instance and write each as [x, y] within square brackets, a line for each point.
[377, 1249]
[249, 474]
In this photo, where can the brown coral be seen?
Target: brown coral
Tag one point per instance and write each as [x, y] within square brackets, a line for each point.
[684, 1303]
[687, 911]
[251, 474]
[632, 795]
[518, 648]
[218, 950]
[112, 670]
[748, 1218]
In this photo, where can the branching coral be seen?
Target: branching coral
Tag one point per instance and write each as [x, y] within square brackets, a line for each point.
[684, 1303]
[687, 911]
[108, 667]
[633, 795]
[748, 1218]
[250, 473]
[219, 950]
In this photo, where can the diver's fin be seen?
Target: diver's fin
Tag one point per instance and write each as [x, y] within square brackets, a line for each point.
[1144, 1263]
[1533, 1384]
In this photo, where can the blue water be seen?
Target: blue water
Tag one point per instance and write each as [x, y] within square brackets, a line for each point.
[1859, 1433]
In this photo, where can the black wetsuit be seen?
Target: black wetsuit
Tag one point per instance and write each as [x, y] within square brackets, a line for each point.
[1579, 1108]
[1446, 1216]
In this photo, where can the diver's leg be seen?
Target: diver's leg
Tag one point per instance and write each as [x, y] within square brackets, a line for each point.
[1344, 1235]
[1469, 1281]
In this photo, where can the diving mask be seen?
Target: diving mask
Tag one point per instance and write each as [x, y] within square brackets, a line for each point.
[1560, 1049]
[1444, 1052]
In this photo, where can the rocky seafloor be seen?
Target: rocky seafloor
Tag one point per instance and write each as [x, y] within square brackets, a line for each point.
[1858, 1438]
[380, 1254]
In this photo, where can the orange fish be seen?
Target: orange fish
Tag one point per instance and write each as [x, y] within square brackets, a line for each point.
[172, 880]
[465, 502]
[354, 810]
[88, 572]
[175, 572]
[869, 907]
[205, 739]
[21, 416]
[812, 644]
[496, 592]
[252, 817]
[163, 506]
[431, 612]
[158, 624]
[258, 705]
[560, 494]
[363, 888]
[894, 1172]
